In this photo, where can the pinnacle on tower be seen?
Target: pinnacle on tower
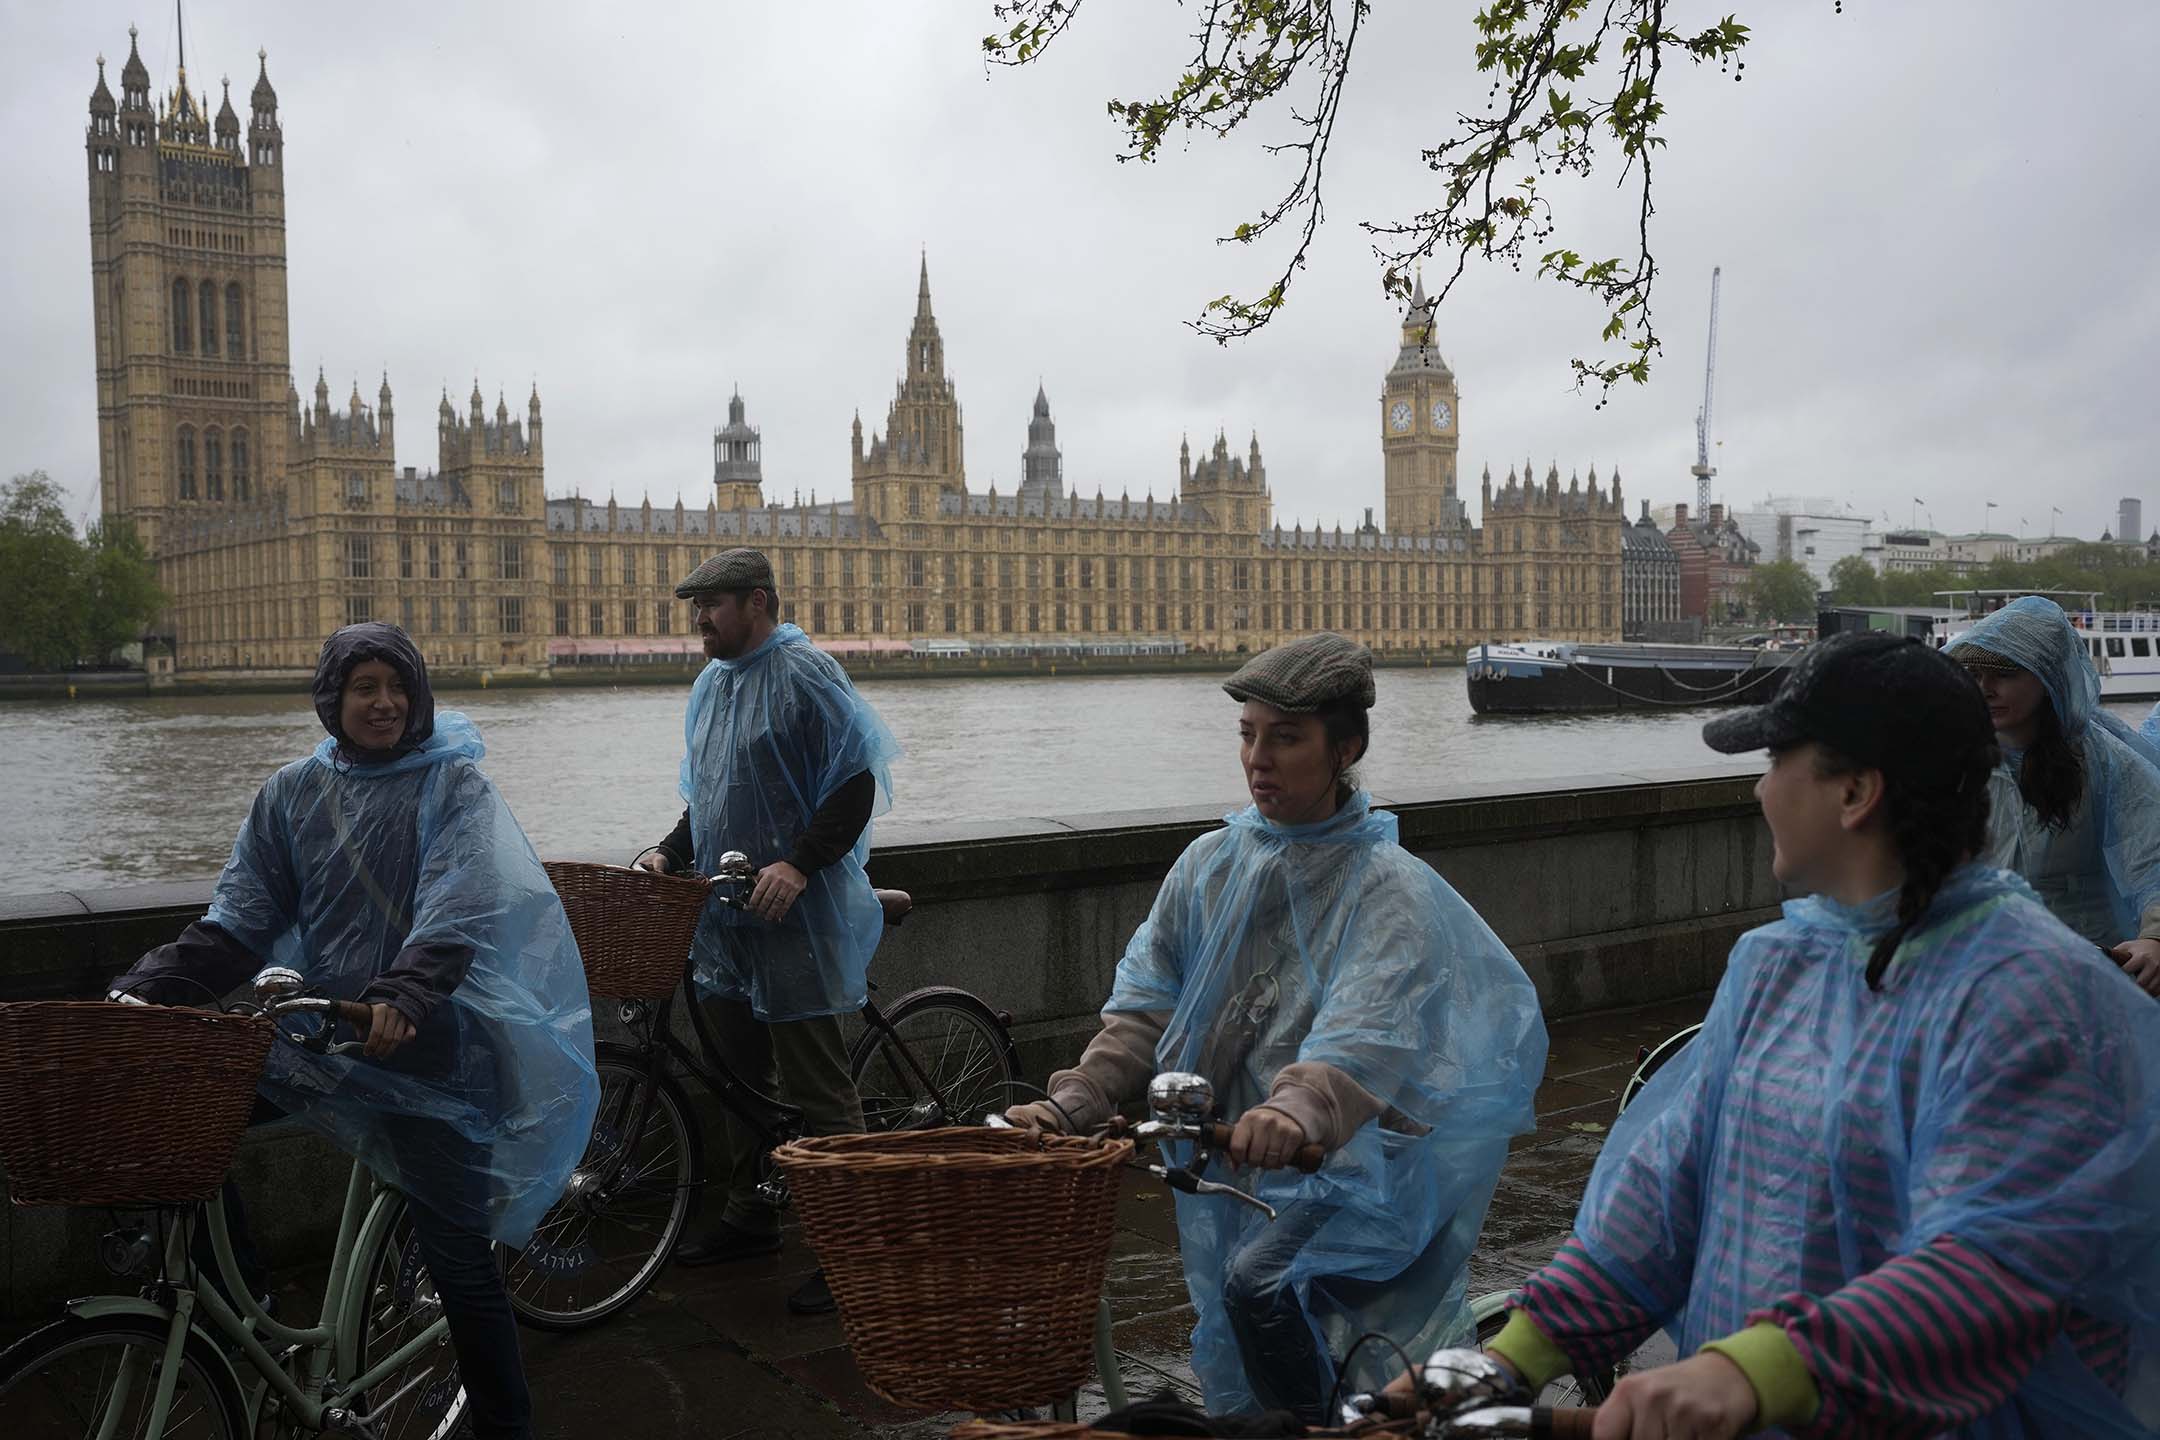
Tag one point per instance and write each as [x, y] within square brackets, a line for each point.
[922, 288]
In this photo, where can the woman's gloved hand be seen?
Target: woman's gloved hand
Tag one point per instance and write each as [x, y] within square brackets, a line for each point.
[1038, 1115]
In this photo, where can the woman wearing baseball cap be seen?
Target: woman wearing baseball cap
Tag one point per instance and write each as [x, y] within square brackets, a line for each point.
[1903, 1182]
[2076, 797]
[1337, 992]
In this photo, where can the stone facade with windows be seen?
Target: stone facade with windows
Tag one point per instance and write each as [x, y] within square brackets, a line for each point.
[274, 522]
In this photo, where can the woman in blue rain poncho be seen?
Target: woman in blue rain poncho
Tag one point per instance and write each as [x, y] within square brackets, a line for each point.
[1903, 1181]
[386, 868]
[1336, 991]
[2076, 800]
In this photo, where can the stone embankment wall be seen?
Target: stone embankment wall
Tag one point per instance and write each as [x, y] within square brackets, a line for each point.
[1612, 890]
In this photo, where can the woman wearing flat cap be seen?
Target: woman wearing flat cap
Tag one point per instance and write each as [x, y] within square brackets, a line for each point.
[1336, 991]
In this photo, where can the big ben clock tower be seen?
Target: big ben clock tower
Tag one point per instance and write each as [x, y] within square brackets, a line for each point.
[1420, 426]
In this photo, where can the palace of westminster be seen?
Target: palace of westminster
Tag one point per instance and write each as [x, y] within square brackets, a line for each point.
[273, 522]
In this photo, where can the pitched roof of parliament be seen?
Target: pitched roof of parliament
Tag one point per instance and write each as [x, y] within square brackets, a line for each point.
[273, 522]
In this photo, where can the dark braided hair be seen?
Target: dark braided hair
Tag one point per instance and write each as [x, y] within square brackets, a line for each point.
[1937, 812]
[2051, 777]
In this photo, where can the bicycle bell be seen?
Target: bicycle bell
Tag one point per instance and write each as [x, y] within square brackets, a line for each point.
[734, 865]
[1454, 1381]
[1181, 1095]
[275, 983]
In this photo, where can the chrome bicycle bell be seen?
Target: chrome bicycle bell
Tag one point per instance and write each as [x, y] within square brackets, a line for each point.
[1454, 1381]
[275, 983]
[734, 865]
[1181, 1095]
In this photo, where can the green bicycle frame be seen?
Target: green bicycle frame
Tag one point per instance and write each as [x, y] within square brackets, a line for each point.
[329, 1351]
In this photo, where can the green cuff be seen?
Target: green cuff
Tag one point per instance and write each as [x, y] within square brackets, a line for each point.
[1530, 1351]
[1785, 1393]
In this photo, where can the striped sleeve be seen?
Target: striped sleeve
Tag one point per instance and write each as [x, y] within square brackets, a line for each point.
[1927, 1342]
[1583, 1311]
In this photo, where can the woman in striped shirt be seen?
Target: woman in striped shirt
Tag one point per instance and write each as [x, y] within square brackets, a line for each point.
[1906, 1180]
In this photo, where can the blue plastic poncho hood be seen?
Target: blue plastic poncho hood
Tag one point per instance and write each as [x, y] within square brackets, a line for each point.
[373, 640]
[1329, 942]
[2100, 873]
[766, 740]
[338, 868]
[1998, 1088]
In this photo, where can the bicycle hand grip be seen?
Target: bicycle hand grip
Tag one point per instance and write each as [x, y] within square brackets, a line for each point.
[1570, 1424]
[356, 1013]
[1306, 1158]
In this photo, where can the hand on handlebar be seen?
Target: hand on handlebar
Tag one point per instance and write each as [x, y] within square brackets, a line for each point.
[656, 860]
[1265, 1139]
[387, 1031]
[1704, 1395]
[778, 886]
[1037, 1115]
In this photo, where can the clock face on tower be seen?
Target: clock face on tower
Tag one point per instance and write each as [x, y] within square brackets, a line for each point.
[1398, 418]
[1441, 415]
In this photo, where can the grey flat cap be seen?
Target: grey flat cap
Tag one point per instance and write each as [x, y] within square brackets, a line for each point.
[738, 569]
[1306, 674]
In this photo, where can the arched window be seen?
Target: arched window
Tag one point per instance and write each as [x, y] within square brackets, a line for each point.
[235, 337]
[209, 318]
[213, 449]
[184, 452]
[183, 305]
[240, 465]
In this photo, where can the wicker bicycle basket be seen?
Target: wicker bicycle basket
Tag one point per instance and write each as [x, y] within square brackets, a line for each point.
[123, 1104]
[967, 1263]
[632, 927]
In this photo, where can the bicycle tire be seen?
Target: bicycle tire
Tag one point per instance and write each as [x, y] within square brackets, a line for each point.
[1563, 1391]
[1653, 1062]
[207, 1404]
[400, 1302]
[959, 1042]
[551, 1280]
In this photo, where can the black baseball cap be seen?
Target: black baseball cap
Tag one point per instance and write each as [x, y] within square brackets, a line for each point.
[1883, 701]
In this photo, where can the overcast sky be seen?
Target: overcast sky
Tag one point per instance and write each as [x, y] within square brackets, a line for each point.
[1934, 219]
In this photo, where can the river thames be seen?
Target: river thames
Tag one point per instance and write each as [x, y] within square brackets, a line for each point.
[115, 792]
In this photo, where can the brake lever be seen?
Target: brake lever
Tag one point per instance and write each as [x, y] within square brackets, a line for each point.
[1191, 1184]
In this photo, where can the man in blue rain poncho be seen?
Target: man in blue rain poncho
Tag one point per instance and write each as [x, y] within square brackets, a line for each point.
[386, 868]
[1903, 1183]
[1336, 991]
[784, 762]
[2075, 803]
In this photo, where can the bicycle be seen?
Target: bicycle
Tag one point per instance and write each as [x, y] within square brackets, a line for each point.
[169, 1360]
[939, 1054]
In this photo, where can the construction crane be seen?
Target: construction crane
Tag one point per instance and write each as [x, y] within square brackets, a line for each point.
[1703, 470]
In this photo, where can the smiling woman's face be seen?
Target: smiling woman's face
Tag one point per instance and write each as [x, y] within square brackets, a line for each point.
[374, 706]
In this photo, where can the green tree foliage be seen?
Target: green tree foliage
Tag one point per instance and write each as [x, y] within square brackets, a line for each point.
[63, 600]
[1854, 582]
[2119, 575]
[1572, 83]
[1780, 590]
[121, 593]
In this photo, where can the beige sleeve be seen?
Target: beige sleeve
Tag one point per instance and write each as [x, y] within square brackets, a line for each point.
[1327, 1104]
[1115, 1067]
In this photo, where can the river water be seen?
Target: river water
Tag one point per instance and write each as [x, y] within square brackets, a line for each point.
[111, 792]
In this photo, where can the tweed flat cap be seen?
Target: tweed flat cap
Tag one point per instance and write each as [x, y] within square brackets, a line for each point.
[1985, 662]
[1306, 674]
[738, 569]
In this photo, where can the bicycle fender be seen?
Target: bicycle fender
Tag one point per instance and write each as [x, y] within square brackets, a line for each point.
[1484, 1307]
[99, 1307]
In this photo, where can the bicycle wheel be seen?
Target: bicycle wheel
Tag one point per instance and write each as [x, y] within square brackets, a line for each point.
[959, 1044]
[1565, 1392]
[612, 1232]
[402, 1302]
[1652, 1062]
[79, 1377]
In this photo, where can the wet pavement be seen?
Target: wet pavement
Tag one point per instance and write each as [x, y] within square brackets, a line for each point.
[714, 1353]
